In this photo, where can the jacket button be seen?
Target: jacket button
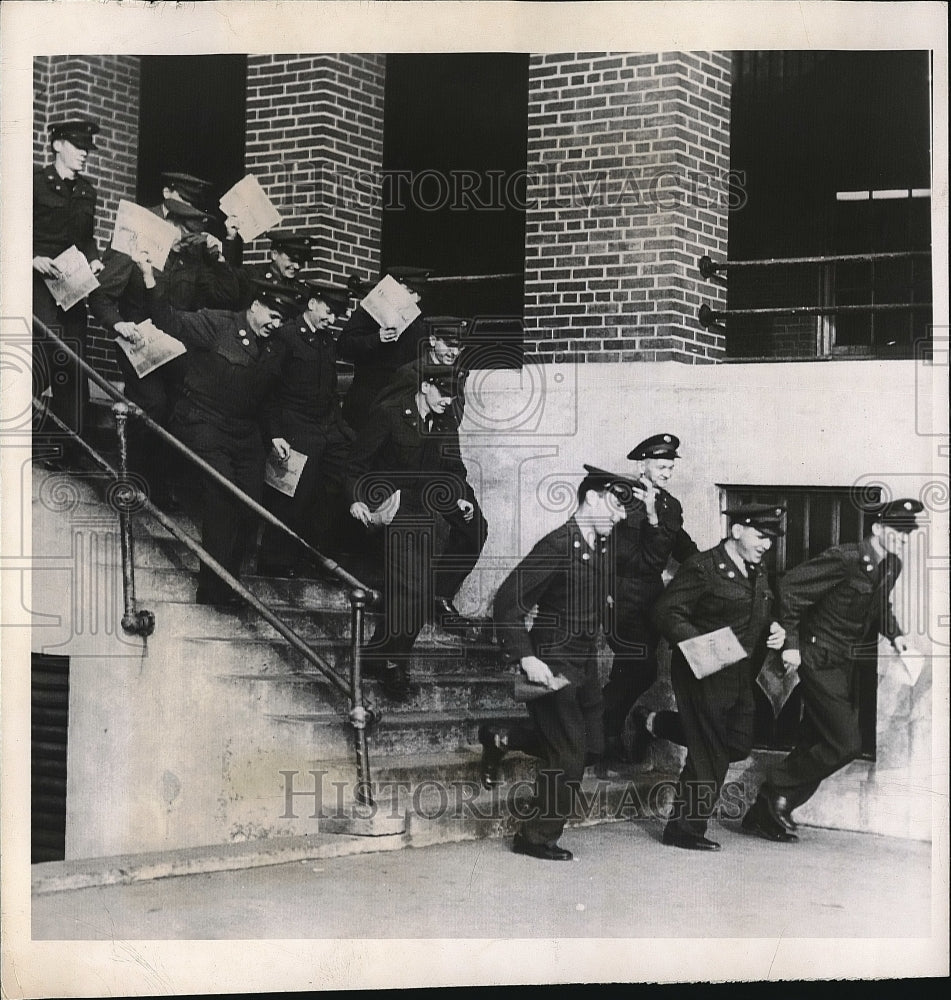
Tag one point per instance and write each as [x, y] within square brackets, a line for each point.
[731, 574]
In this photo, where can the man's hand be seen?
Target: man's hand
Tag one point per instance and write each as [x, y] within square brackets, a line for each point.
[647, 494]
[792, 658]
[282, 448]
[46, 267]
[96, 266]
[128, 331]
[388, 334]
[537, 671]
[900, 644]
[777, 636]
[231, 227]
[361, 512]
[467, 508]
[214, 246]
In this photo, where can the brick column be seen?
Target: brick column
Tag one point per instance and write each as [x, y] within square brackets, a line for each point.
[628, 161]
[315, 142]
[105, 89]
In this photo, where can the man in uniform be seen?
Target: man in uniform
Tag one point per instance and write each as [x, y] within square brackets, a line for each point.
[639, 552]
[233, 366]
[410, 446]
[304, 414]
[64, 211]
[562, 577]
[721, 587]
[378, 352]
[831, 607]
[290, 253]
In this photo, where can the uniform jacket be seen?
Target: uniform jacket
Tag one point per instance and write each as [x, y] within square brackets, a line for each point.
[394, 451]
[230, 371]
[835, 599]
[191, 280]
[562, 577]
[639, 552]
[407, 377]
[249, 273]
[709, 592]
[63, 216]
[307, 389]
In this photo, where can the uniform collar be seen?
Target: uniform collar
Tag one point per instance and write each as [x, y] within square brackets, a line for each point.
[726, 567]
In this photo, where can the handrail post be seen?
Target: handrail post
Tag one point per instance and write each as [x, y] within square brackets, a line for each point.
[125, 499]
[360, 717]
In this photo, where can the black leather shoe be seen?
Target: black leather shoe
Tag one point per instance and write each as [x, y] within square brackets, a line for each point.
[675, 837]
[395, 681]
[493, 753]
[444, 608]
[546, 852]
[757, 821]
[777, 806]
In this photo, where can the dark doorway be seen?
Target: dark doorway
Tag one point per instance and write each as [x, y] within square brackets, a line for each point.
[454, 159]
[49, 726]
[817, 517]
[191, 120]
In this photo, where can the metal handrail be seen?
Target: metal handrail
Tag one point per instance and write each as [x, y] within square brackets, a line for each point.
[328, 564]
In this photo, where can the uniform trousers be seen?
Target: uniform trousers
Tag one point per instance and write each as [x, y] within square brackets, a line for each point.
[53, 369]
[716, 715]
[634, 642]
[829, 736]
[236, 450]
[566, 730]
[317, 507]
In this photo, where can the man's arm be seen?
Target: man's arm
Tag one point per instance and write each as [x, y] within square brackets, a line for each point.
[360, 337]
[673, 612]
[370, 442]
[803, 586]
[118, 270]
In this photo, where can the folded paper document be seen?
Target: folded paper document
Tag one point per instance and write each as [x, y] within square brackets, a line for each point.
[284, 476]
[137, 230]
[251, 208]
[912, 662]
[153, 349]
[712, 651]
[76, 281]
[390, 304]
[776, 682]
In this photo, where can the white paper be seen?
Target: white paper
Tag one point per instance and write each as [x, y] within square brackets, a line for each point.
[251, 208]
[390, 304]
[154, 349]
[708, 653]
[913, 662]
[385, 513]
[138, 229]
[77, 279]
[284, 476]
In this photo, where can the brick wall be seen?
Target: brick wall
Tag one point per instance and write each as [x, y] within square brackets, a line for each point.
[315, 142]
[628, 161]
[106, 89]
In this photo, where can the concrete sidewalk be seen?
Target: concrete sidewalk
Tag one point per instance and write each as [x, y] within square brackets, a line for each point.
[622, 883]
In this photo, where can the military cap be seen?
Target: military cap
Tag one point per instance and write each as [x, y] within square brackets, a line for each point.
[284, 298]
[336, 296]
[656, 446]
[444, 377]
[412, 277]
[900, 514]
[189, 187]
[186, 215]
[298, 246]
[600, 479]
[77, 131]
[450, 329]
[766, 518]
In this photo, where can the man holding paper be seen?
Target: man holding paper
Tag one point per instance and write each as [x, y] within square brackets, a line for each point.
[64, 215]
[382, 335]
[832, 606]
[716, 611]
[563, 578]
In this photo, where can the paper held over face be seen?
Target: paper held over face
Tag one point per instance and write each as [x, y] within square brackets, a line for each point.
[776, 682]
[77, 279]
[252, 209]
[154, 349]
[708, 653]
[139, 230]
[390, 304]
[284, 477]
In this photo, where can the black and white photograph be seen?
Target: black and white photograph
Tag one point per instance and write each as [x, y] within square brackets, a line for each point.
[475, 494]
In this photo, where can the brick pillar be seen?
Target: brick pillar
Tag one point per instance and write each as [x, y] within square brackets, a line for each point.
[106, 89]
[628, 162]
[315, 142]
